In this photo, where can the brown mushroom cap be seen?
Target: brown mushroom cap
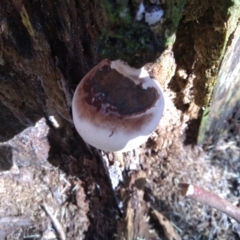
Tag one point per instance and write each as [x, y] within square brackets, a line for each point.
[116, 107]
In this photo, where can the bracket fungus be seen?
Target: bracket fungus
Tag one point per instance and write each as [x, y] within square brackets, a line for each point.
[116, 107]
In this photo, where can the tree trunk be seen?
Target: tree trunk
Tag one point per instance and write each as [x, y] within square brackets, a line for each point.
[45, 50]
[221, 119]
[46, 47]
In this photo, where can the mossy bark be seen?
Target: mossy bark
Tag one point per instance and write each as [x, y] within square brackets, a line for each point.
[223, 115]
[130, 38]
[205, 30]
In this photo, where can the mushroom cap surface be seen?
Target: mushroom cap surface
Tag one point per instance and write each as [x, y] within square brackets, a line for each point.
[116, 107]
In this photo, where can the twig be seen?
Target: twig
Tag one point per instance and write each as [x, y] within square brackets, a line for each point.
[55, 223]
[211, 199]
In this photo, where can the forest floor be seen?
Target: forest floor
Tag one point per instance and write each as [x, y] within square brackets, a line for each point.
[134, 195]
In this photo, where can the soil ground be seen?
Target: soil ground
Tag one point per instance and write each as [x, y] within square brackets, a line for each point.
[94, 196]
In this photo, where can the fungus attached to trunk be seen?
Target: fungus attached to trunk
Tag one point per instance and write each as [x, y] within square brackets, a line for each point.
[116, 107]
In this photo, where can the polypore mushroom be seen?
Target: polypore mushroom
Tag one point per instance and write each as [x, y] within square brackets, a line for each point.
[116, 107]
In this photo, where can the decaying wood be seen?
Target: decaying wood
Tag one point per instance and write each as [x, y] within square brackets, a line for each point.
[135, 223]
[168, 229]
[46, 47]
[9, 224]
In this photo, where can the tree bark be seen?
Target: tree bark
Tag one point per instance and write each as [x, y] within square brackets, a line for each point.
[45, 51]
[223, 116]
[46, 47]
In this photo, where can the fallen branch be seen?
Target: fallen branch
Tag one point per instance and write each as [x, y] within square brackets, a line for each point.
[208, 198]
[55, 223]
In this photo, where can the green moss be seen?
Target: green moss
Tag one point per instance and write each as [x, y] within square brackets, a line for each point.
[135, 44]
[113, 10]
[223, 81]
[174, 11]
[135, 41]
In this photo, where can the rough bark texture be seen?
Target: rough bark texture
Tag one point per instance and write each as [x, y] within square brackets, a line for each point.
[45, 49]
[203, 34]
[224, 112]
